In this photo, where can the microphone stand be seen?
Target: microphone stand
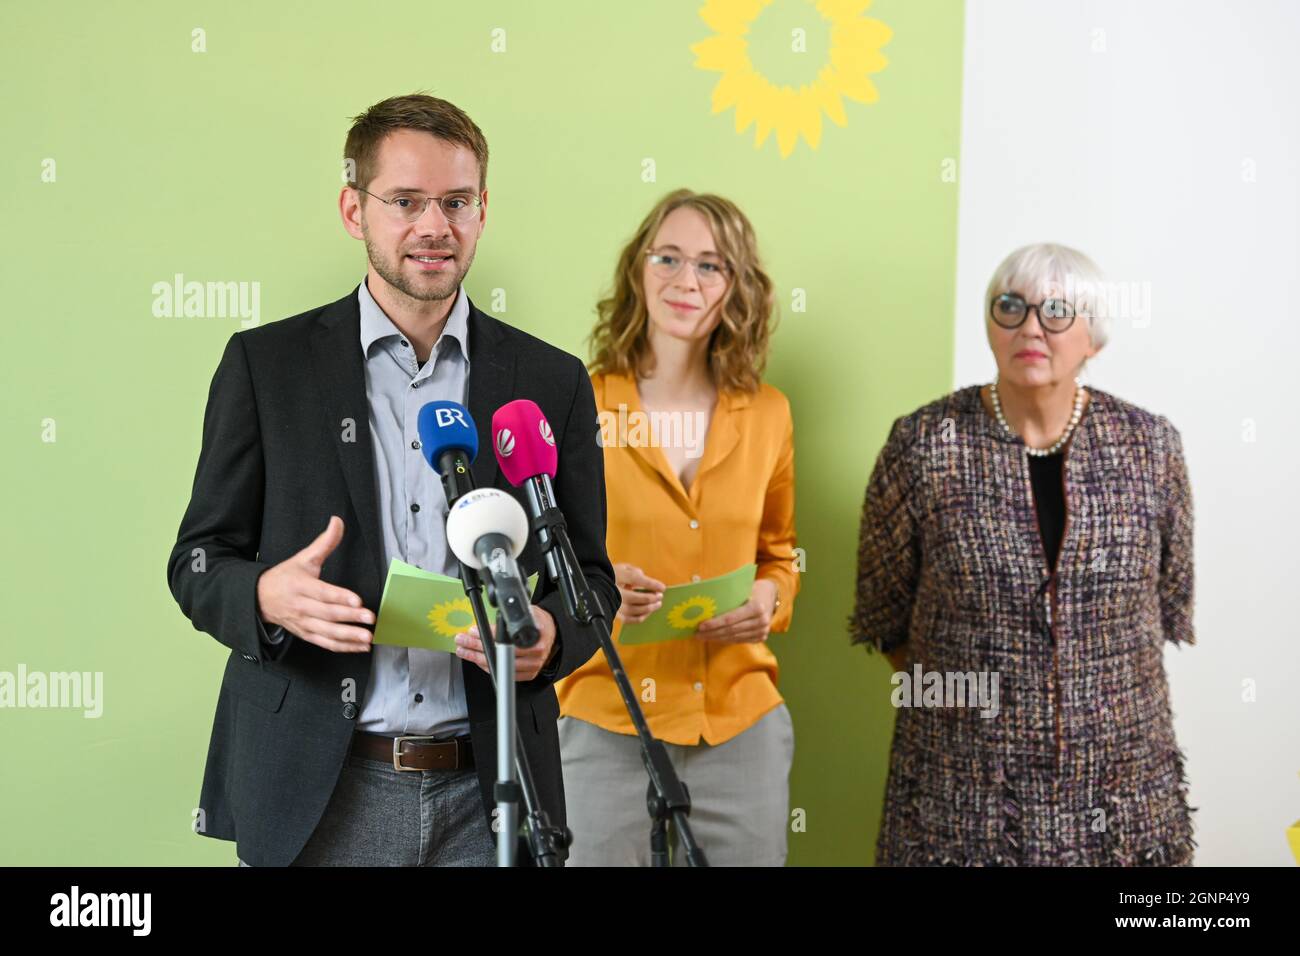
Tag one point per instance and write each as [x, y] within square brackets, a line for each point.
[547, 843]
[666, 796]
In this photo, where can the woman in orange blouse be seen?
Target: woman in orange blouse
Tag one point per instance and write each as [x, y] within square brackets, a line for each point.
[699, 473]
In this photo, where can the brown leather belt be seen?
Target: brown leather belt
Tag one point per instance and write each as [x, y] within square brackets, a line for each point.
[415, 753]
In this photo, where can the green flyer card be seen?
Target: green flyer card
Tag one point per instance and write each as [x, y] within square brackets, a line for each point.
[686, 605]
[422, 609]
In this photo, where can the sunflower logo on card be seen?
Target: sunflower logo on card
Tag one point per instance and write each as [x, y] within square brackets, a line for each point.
[832, 51]
[687, 615]
[451, 617]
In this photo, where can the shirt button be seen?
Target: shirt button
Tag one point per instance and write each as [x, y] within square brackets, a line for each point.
[419, 698]
[405, 345]
[695, 577]
[415, 507]
[350, 711]
[698, 687]
[416, 444]
[694, 523]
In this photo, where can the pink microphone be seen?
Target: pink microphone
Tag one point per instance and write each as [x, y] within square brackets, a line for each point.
[525, 450]
[523, 442]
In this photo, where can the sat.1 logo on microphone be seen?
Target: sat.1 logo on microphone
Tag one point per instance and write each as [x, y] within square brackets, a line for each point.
[506, 443]
[545, 428]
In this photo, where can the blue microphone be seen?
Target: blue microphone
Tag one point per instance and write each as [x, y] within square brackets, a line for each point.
[449, 442]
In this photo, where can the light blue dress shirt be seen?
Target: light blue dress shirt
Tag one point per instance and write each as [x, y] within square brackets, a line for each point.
[412, 690]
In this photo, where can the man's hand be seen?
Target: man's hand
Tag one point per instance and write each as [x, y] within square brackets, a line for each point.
[292, 594]
[529, 661]
[747, 623]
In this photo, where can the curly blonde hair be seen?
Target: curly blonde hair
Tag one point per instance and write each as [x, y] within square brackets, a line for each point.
[738, 346]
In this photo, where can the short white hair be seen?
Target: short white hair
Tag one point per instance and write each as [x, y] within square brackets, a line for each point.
[1029, 268]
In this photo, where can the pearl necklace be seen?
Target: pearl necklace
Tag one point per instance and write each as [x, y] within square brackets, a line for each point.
[1065, 435]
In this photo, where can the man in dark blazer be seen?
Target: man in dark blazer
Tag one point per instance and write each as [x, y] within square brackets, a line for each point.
[309, 421]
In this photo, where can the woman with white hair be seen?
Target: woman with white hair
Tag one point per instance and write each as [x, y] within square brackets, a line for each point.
[1036, 536]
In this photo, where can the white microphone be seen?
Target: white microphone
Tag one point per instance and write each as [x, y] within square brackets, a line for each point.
[487, 530]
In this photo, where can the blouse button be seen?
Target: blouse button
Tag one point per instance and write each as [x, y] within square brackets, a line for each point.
[698, 687]
[695, 577]
[694, 523]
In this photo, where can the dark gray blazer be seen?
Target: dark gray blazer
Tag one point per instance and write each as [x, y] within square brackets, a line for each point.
[273, 467]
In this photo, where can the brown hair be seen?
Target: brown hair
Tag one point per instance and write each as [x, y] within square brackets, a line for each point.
[738, 346]
[418, 111]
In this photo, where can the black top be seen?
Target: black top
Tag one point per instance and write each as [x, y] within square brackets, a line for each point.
[1049, 499]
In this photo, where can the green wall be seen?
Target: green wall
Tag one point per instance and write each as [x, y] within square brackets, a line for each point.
[224, 166]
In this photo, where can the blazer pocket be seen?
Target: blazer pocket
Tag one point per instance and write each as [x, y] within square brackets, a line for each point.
[256, 684]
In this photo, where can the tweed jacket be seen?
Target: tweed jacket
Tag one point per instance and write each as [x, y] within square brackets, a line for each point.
[1077, 765]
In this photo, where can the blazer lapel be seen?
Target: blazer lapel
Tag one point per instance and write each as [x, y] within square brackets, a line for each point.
[340, 372]
[491, 385]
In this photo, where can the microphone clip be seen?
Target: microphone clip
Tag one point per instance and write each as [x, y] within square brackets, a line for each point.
[547, 525]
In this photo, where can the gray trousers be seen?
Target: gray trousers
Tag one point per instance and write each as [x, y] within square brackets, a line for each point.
[740, 794]
[381, 816]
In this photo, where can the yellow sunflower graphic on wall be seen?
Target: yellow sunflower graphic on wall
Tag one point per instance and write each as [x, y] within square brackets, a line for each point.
[687, 615]
[854, 54]
[451, 617]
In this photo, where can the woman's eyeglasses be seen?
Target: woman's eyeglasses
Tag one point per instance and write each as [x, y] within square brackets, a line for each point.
[1010, 310]
[710, 270]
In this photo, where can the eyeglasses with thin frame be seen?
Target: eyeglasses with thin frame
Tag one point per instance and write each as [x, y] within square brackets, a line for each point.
[418, 205]
[1010, 310]
[710, 270]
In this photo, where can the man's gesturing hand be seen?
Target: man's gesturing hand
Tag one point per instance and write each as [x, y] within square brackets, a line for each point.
[292, 594]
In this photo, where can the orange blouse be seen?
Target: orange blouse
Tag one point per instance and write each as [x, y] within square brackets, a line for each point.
[739, 510]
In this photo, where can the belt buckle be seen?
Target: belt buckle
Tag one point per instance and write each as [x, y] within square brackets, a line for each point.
[397, 751]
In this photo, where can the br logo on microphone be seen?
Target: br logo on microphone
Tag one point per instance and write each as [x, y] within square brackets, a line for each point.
[544, 427]
[446, 417]
[505, 443]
